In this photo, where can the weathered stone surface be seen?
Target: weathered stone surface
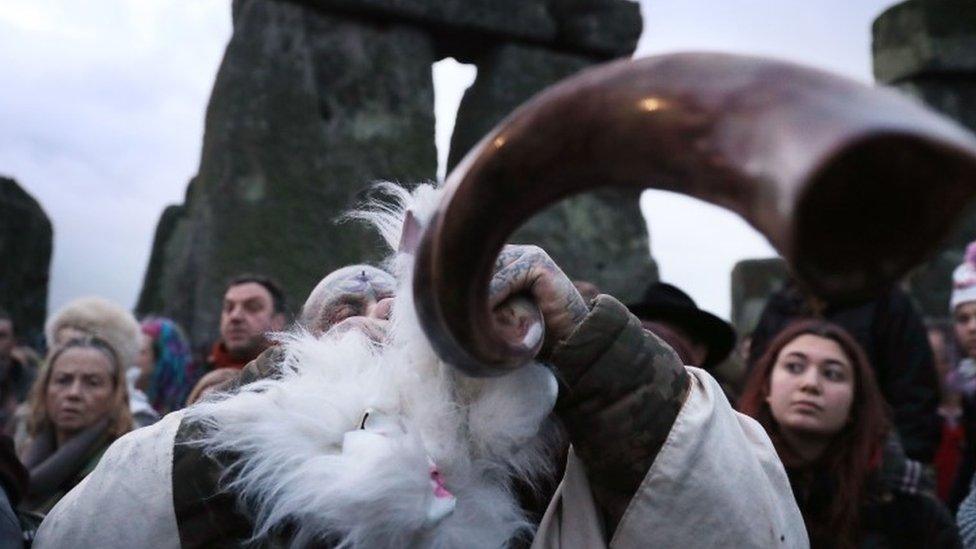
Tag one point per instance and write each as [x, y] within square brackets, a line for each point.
[600, 237]
[306, 110]
[525, 19]
[753, 281]
[930, 284]
[25, 246]
[610, 27]
[151, 299]
[606, 28]
[955, 98]
[919, 37]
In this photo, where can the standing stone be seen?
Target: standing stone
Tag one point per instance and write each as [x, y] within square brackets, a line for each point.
[25, 246]
[307, 109]
[600, 237]
[918, 38]
[753, 281]
[927, 49]
[608, 28]
[151, 296]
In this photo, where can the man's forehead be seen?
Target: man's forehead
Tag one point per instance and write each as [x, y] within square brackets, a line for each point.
[246, 291]
[351, 280]
[357, 278]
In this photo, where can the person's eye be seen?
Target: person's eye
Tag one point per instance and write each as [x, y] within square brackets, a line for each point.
[62, 380]
[794, 366]
[834, 373]
[341, 313]
[94, 382]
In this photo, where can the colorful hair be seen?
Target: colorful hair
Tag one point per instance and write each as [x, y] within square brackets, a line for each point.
[174, 372]
[853, 453]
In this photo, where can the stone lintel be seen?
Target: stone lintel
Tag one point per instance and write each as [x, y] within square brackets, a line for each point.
[602, 28]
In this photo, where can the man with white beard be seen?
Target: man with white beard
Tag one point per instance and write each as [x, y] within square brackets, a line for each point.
[354, 433]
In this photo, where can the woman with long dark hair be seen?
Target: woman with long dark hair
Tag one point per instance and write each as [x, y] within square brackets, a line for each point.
[815, 393]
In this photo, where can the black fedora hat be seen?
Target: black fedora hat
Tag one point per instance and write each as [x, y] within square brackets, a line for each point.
[665, 302]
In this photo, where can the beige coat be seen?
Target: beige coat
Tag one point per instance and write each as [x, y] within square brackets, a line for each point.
[717, 482]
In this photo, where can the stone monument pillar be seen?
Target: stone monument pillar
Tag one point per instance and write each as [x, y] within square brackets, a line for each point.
[306, 111]
[25, 245]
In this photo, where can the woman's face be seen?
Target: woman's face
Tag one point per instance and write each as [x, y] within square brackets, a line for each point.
[964, 321]
[811, 387]
[79, 392]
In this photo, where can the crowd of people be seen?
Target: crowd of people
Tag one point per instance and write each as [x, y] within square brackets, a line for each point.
[104, 375]
[870, 410]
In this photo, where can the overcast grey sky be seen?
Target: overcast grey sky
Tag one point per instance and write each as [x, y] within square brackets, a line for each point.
[102, 106]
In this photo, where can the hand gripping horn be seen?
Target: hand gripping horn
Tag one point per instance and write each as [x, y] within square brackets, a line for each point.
[851, 184]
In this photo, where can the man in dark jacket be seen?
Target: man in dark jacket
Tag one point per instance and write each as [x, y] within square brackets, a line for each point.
[895, 341]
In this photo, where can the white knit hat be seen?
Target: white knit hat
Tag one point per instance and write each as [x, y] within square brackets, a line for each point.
[964, 280]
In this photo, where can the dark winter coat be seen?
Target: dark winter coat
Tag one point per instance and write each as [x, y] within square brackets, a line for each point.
[895, 514]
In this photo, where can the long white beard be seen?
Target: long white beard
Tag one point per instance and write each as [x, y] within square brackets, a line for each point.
[292, 467]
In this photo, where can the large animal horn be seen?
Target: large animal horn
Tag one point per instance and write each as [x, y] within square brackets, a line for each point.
[851, 184]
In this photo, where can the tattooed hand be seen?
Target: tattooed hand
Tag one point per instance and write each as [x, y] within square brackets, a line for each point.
[528, 270]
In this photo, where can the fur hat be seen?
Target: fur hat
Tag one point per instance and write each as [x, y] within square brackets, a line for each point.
[103, 319]
[964, 280]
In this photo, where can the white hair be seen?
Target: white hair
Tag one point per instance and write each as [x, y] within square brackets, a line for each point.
[293, 469]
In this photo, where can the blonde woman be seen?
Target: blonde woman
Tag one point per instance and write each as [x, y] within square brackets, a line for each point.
[78, 407]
